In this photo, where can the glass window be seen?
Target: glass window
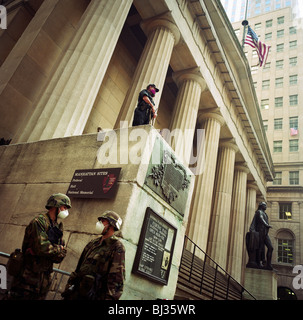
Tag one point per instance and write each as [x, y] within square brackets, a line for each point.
[265, 84]
[293, 122]
[268, 36]
[281, 20]
[267, 66]
[292, 30]
[285, 251]
[280, 33]
[293, 80]
[293, 177]
[285, 211]
[278, 146]
[268, 23]
[278, 124]
[257, 26]
[280, 47]
[279, 102]
[279, 64]
[278, 179]
[293, 61]
[265, 104]
[293, 100]
[279, 82]
[293, 145]
[293, 44]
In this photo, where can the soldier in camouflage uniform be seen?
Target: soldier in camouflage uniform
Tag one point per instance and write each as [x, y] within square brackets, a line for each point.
[42, 246]
[100, 272]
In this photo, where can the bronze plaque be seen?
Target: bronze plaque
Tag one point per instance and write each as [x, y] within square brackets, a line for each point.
[168, 177]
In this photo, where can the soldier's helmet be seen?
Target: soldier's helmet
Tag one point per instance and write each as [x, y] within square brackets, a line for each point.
[113, 218]
[57, 200]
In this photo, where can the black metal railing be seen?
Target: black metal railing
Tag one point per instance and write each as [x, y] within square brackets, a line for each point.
[207, 279]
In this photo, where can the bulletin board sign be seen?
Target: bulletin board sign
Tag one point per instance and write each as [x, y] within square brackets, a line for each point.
[155, 249]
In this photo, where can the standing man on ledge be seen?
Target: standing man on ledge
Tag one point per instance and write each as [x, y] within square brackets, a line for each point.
[145, 110]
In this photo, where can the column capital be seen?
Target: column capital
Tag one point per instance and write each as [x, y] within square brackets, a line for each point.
[252, 185]
[190, 74]
[211, 114]
[229, 143]
[161, 21]
[242, 166]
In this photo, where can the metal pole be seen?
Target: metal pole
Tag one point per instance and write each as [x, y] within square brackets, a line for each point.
[244, 24]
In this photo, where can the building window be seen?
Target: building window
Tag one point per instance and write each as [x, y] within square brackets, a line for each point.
[254, 69]
[280, 33]
[257, 27]
[280, 47]
[279, 64]
[279, 102]
[268, 36]
[293, 122]
[268, 23]
[280, 20]
[285, 251]
[293, 61]
[285, 211]
[293, 44]
[278, 146]
[265, 84]
[279, 82]
[293, 100]
[267, 66]
[293, 80]
[293, 177]
[292, 30]
[293, 145]
[278, 123]
[278, 179]
[265, 104]
[265, 125]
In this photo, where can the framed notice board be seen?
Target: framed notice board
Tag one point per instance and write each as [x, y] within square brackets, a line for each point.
[155, 249]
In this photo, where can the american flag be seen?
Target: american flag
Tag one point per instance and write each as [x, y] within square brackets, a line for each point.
[293, 131]
[261, 48]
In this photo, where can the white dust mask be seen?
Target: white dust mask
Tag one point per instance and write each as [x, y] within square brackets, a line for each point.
[63, 214]
[99, 227]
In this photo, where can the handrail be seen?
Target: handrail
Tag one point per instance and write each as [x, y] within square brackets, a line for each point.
[216, 267]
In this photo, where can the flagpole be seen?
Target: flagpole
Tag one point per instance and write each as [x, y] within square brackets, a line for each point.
[244, 24]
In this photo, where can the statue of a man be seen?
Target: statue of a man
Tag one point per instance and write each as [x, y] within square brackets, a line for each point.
[257, 238]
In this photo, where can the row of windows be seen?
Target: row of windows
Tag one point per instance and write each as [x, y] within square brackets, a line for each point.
[293, 80]
[278, 125]
[280, 63]
[293, 146]
[293, 101]
[293, 179]
[280, 33]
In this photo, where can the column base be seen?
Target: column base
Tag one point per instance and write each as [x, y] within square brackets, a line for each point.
[262, 284]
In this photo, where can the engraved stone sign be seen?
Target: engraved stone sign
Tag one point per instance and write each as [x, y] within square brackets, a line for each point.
[167, 177]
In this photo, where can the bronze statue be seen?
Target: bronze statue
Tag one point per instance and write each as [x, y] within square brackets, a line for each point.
[256, 240]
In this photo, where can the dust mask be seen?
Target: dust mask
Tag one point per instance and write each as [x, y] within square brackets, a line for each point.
[63, 214]
[99, 227]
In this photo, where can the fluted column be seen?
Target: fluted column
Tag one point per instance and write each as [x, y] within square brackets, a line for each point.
[191, 84]
[162, 36]
[220, 217]
[250, 204]
[198, 226]
[66, 103]
[237, 222]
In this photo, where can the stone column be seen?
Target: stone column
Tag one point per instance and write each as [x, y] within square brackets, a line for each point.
[237, 222]
[65, 105]
[162, 36]
[220, 217]
[191, 85]
[250, 210]
[198, 226]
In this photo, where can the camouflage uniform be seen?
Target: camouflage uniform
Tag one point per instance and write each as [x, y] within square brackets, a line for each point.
[100, 272]
[40, 252]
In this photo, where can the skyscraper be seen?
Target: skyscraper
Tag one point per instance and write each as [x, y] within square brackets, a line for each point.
[277, 84]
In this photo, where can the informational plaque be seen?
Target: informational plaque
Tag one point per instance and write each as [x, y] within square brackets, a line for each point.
[94, 183]
[155, 249]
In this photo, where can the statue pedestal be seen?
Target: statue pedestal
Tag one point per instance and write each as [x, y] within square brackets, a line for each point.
[262, 284]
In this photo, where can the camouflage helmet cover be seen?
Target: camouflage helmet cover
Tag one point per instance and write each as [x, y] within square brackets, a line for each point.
[57, 200]
[113, 218]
